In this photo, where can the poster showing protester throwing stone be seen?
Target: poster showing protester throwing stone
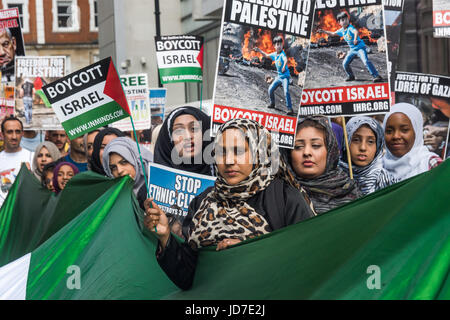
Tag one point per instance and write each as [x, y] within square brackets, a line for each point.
[431, 95]
[32, 73]
[347, 64]
[260, 73]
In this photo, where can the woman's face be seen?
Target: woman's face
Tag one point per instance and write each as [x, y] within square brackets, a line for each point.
[399, 134]
[48, 179]
[106, 139]
[43, 158]
[120, 167]
[90, 143]
[187, 136]
[309, 157]
[65, 173]
[363, 146]
[233, 157]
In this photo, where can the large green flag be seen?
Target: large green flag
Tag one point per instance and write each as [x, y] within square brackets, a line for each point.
[31, 213]
[393, 244]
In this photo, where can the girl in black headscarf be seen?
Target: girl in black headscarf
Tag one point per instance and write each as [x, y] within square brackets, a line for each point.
[184, 142]
[247, 201]
[313, 165]
[100, 142]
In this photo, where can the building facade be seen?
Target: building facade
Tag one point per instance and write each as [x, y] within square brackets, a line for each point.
[127, 30]
[59, 27]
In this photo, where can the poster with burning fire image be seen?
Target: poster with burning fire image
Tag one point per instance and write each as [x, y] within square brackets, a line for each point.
[260, 73]
[347, 64]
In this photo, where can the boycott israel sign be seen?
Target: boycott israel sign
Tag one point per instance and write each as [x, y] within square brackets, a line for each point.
[180, 58]
[173, 190]
[347, 64]
[88, 99]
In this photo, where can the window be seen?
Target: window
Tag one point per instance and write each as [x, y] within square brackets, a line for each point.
[65, 16]
[24, 15]
[93, 21]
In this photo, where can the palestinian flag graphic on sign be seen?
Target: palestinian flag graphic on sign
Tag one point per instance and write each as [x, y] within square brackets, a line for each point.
[87, 99]
[180, 58]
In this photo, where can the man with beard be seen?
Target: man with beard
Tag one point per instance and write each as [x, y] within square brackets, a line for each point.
[13, 156]
[7, 53]
[59, 138]
[77, 155]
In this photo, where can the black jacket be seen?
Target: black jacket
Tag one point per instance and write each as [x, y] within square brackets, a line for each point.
[280, 204]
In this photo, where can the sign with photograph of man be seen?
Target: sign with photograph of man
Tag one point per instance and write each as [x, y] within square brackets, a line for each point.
[11, 43]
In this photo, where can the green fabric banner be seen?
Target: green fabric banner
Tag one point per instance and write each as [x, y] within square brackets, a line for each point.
[393, 244]
[31, 214]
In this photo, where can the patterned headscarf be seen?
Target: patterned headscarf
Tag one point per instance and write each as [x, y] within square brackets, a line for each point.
[224, 212]
[331, 189]
[373, 176]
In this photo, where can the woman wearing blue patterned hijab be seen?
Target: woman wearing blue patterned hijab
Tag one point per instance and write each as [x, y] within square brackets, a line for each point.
[366, 144]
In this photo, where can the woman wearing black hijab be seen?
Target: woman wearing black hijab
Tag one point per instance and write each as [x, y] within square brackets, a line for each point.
[184, 142]
[101, 140]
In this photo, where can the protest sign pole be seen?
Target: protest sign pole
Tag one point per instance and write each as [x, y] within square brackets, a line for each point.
[201, 95]
[142, 163]
[349, 160]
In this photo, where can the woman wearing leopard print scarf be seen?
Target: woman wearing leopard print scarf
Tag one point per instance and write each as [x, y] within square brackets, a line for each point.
[247, 201]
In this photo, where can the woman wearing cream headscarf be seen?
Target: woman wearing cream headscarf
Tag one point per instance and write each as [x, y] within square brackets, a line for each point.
[406, 155]
[45, 153]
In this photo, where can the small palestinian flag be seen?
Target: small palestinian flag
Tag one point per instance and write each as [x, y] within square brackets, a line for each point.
[180, 58]
[88, 99]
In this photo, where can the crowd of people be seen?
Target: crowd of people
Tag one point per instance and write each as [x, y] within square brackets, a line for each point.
[259, 187]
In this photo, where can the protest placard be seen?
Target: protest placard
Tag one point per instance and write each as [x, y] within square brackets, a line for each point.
[173, 190]
[12, 43]
[441, 18]
[431, 95]
[180, 58]
[87, 99]
[157, 105]
[260, 71]
[347, 64]
[7, 102]
[32, 73]
[393, 11]
[136, 91]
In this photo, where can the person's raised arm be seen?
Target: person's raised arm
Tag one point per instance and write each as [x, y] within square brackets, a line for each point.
[266, 55]
[330, 33]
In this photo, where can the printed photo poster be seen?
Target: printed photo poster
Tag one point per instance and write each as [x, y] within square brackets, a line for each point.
[157, 105]
[173, 190]
[32, 73]
[7, 102]
[180, 58]
[431, 94]
[12, 42]
[347, 64]
[135, 87]
[441, 18]
[87, 99]
[393, 12]
[261, 66]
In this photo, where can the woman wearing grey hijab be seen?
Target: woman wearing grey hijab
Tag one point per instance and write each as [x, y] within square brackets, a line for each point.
[121, 158]
[45, 153]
